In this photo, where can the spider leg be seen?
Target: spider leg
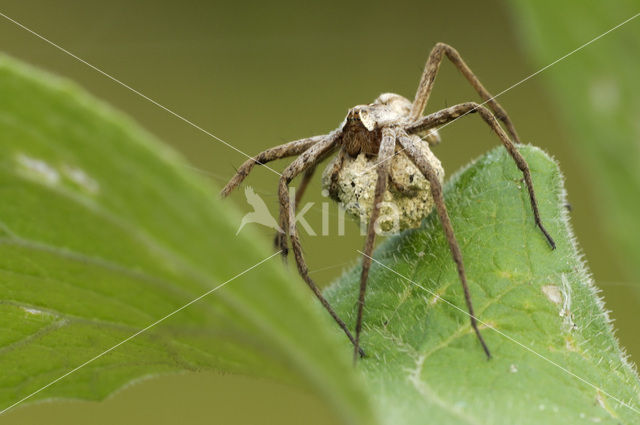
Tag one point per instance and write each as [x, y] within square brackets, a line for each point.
[302, 187]
[282, 151]
[306, 161]
[411, 148]
[387, 148]
[453, 112]
[318, 152]
[428, 78]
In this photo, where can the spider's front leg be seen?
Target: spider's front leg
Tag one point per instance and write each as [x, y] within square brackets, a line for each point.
[278, 241]
[386, 151]
[449, 114]
[306, 161]
[420, 160]
[429, 75]
[282, 151]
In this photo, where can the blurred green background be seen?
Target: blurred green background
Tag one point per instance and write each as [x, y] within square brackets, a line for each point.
[258, 74]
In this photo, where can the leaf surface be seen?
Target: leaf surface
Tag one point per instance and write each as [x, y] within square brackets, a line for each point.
[103, 231]
[596, 95]
[426, 365]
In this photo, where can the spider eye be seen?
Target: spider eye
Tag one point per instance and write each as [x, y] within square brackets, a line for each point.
[353, 116]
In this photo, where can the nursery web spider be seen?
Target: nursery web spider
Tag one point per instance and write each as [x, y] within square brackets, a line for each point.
[376, 144]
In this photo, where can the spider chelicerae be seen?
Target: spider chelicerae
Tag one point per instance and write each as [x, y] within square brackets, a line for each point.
[383, 153]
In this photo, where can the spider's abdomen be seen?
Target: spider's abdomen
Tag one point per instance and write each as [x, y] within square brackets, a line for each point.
[408, 197]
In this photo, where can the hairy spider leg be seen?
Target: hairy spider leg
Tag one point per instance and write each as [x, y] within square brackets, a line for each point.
[418, 158]
[386, 151]
[428, 78]
[308, 159]
[300, 189]
[293, 148]
[453, 112]
[330, 139]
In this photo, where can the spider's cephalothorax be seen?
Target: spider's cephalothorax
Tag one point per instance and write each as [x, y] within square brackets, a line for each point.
[384, 160]
[351, 179]
[359, 135]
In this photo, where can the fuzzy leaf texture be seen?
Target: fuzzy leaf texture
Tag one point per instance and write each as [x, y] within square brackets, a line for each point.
[103, 230]
[426, 364]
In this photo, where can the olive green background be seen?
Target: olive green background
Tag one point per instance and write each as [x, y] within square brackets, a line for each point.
[258, 74]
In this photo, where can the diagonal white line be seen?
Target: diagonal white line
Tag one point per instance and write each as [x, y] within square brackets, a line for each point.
[506, 336]
[135, 334]
[520, 82]
[114, 79]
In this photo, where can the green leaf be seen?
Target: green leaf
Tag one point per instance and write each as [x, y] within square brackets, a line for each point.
[103, 231]
[596, 93]
[426, 365]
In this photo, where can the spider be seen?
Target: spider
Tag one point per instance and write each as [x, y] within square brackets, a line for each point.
[383, 152]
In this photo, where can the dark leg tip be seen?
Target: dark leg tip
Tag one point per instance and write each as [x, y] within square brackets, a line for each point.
[486, 349]
[283, 254]
[552, 243]
[279, 241]
[358, 353]
[484, 345]
[488, 353]
[362, 353]
[550, 240]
